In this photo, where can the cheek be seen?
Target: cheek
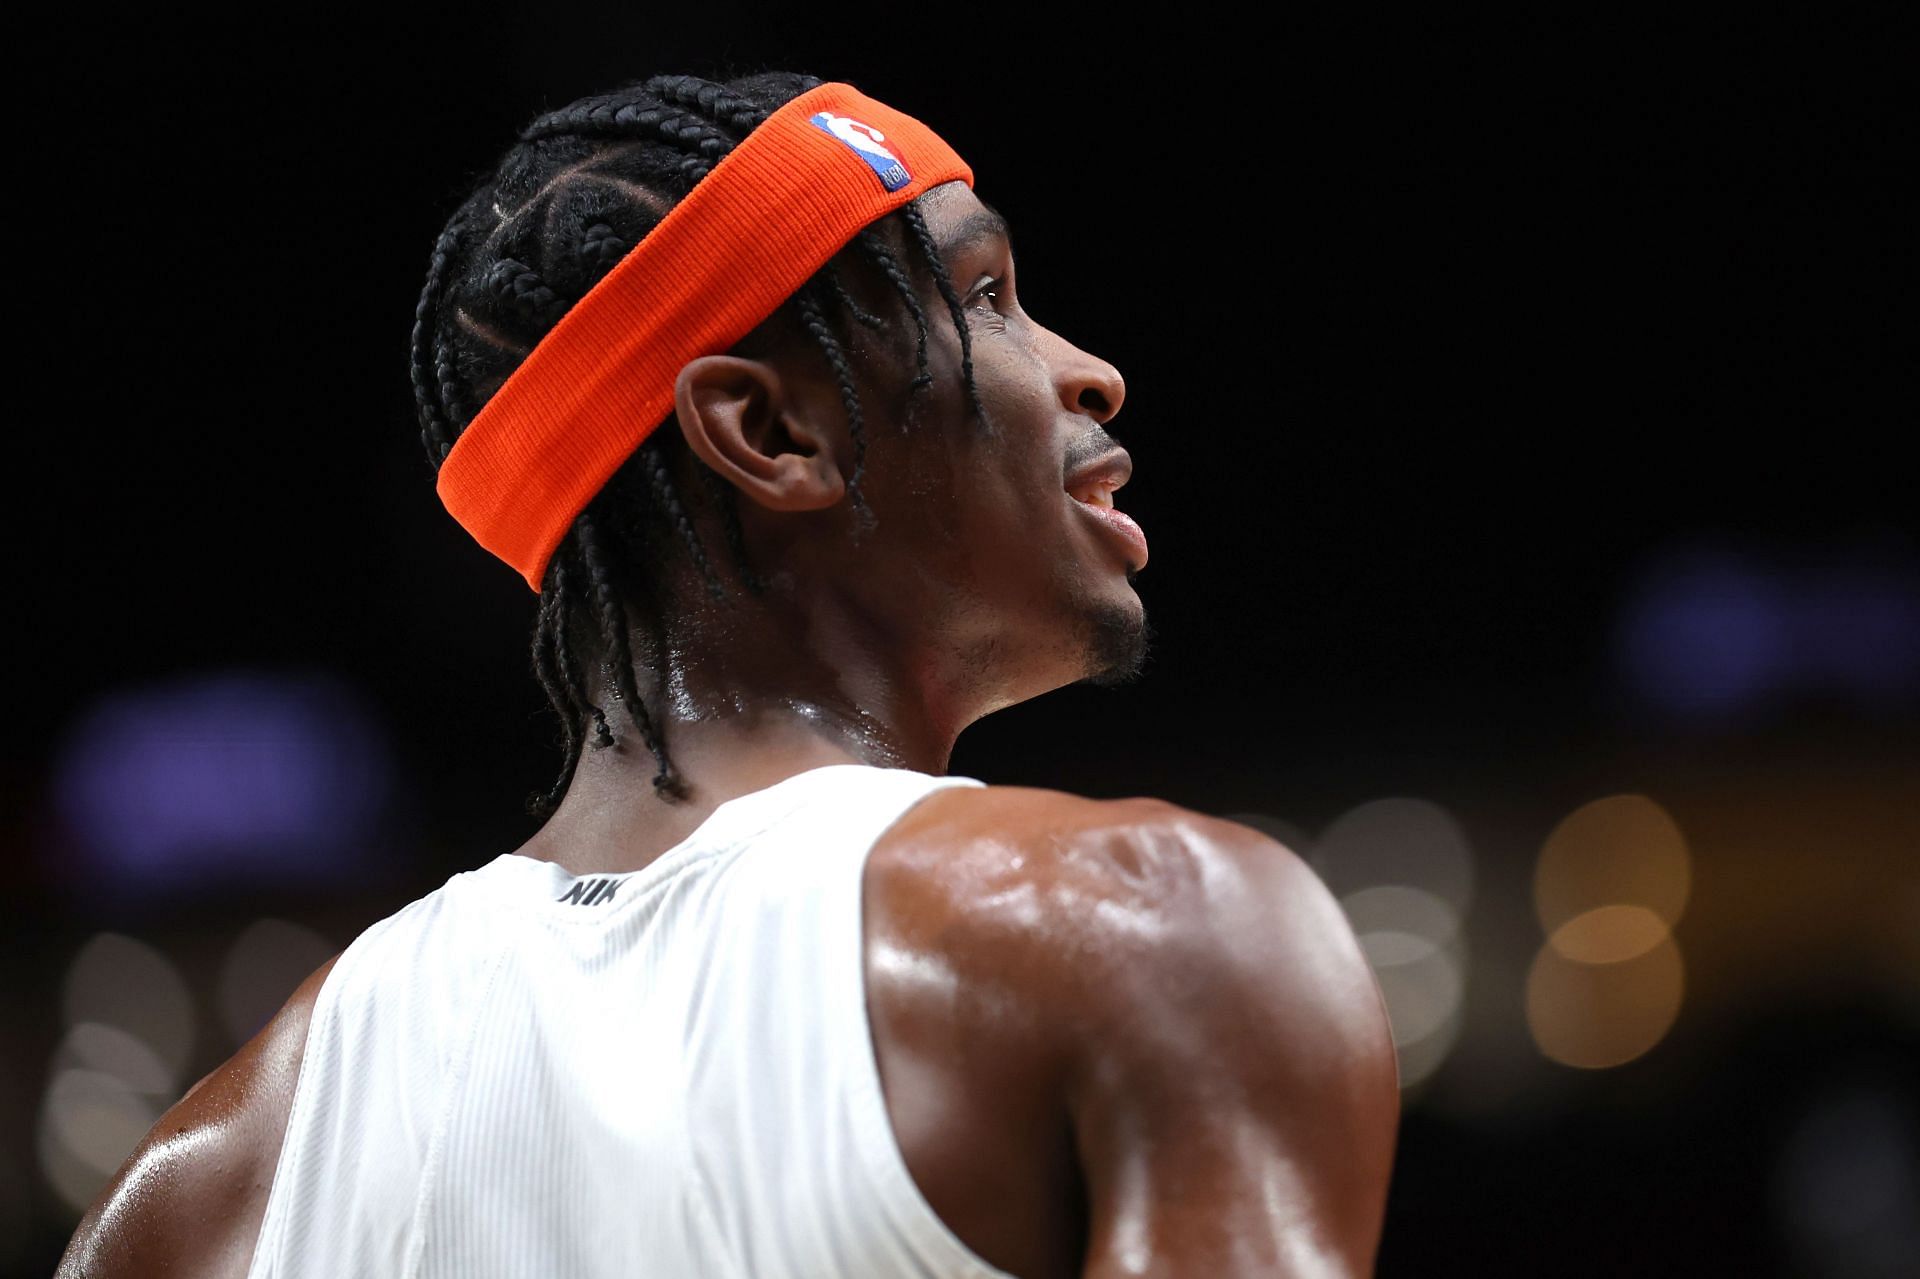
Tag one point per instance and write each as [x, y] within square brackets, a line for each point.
[987, 487]
[1010, 370]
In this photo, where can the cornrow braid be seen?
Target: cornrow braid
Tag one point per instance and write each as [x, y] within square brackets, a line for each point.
[910, 213]
[583, 184]
[519, 286]
[722, 494]
[436, 432]
[854, 309]
[663, 492]
[567, 663]
[550, 667]
[877, 251]
[447, 383]
[715, 101]
[816, 322]
[619, 657]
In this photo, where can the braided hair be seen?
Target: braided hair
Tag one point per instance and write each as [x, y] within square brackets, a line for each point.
[582, 186]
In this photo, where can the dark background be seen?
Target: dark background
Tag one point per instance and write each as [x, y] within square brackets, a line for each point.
[1467, 366]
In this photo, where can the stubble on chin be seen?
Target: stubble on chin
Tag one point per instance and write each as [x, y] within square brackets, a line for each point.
[1119, 639]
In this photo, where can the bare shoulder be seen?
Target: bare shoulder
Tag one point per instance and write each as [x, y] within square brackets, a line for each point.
[997, 857]
[1047, 831]
[191, 1196]
[1055, 854]
[1049, 897]
[1222, 1045]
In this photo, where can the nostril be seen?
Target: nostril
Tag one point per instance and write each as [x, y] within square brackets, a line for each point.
[1095, 404]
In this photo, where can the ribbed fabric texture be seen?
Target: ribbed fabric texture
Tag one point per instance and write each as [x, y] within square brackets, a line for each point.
[773, 211]
[664, 1073]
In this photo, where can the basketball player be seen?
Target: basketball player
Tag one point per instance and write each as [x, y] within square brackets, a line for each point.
[769, 993]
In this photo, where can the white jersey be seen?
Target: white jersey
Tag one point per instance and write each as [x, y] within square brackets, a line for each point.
[668, 1072]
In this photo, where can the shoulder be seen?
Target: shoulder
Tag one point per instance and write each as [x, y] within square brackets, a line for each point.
[191, 1196]
[1087, 903]
[1065, 850]
[1213, 1028]
[1009, 860]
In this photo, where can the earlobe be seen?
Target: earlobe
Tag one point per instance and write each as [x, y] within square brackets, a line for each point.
[736, 414]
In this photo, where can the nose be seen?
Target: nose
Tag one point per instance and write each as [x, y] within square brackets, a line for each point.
[1088, 384]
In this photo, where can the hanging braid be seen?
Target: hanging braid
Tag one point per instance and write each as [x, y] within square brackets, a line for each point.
[918, 224]
[816, 322]
[876, 249]
[585, 183]
[436, 433]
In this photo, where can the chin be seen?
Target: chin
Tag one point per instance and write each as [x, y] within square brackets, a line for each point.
[1119, 639]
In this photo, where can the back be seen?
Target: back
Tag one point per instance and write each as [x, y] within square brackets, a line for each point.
[669, 1071]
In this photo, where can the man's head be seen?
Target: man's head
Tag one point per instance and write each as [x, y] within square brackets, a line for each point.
[754, 549]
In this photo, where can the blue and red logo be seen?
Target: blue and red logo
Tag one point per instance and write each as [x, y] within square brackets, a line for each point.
[867, 142]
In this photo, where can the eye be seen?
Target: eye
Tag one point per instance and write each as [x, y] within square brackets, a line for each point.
[991, 289]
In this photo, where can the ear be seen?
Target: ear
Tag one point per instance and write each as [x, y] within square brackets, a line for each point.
[745, 422]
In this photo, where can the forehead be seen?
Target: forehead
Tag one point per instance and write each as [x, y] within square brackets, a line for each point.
[959, 219]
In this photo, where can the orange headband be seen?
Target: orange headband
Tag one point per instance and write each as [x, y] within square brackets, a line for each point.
[772, 212]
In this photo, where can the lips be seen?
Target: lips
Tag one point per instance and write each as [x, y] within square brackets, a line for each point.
[1119, 526]
[1092, 488]
[1108, 472]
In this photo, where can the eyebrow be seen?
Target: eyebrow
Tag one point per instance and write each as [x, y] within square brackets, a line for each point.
[976, 228]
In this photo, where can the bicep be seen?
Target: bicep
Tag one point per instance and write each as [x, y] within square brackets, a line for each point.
[190, 1197]
[1235, 1099]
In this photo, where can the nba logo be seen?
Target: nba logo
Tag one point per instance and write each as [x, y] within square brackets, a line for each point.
[868, 143]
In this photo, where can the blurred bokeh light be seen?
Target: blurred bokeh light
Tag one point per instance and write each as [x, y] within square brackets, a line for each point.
[130, 1029]
[1403, 872]
[266, 962]
[1621, 849]
[243, 776]
[125, 984]
[1714, 634]
[1846, 1184]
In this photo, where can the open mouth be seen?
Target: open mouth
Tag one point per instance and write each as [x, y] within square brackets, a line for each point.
[1099, 493]
[1097, 501]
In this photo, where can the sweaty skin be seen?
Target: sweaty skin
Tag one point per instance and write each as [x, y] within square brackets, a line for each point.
[1116, 1037]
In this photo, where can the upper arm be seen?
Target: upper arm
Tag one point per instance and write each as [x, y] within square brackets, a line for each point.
[1234, 1093]
[190, 1198]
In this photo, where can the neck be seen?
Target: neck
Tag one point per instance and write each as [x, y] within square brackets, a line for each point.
[736, 716]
